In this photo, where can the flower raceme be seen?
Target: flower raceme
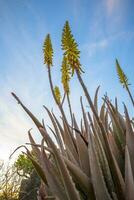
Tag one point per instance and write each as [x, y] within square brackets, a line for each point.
[48, 51]
[70, 48]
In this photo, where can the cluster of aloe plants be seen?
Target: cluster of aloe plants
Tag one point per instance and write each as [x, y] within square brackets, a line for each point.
[93, 160]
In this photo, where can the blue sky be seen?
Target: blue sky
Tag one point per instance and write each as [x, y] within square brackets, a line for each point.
[104, 30]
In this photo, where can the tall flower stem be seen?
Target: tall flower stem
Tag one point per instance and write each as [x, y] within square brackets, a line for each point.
[60, 108]
[70, 109]
[51, 85]
[130, 95]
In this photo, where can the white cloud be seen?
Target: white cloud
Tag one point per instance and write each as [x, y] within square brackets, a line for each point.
[111, 5]
[93, 47]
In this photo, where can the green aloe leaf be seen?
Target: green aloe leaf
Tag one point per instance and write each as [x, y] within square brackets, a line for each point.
[51, 175]
[97, 177]
[96, 99]
[35, 120]
[69, 186]
[38, 169]
[129, 138]
[129, 178]
[79, 176]
[59, 136]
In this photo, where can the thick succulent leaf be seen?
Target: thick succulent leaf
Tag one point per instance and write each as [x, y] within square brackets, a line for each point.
[117, 128]
[84, 117]
[104, 166]
[116, 104]
[34, 147]
[82, 150]
[118, 179]
[129, 178]
[52, 178]
[69, 132]
[38, 169]
[54, 134]
[96, 131]
[59, 139]
[122, 121]
[69, 140]
[83, 154]
[35, 120]
[96, 99]
[75, 123]
[59, 126]
[129, 139]
[104, 116]
[67, 136]
[81, 132]
[119, 119]
[79, 176]
[116, 152]
[96, 109]
[102, 112]
[106, 122]
[69, 186]
[97, 178]
[71, 157]
[82, 127]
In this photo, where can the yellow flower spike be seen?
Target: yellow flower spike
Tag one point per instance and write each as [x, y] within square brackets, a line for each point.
[48, 51]
[122, 77]
[57, 94]
[70, 48]
[124, 80]
[65, 69]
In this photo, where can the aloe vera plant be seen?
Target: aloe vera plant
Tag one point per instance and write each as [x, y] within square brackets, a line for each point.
[93, 160]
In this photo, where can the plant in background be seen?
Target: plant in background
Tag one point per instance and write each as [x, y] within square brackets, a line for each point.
[24, 166]
[9, 183]
[30, 181]
[93, 160]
